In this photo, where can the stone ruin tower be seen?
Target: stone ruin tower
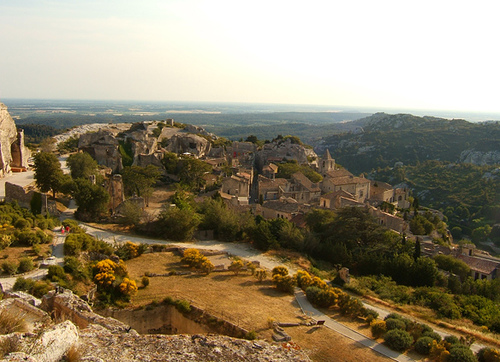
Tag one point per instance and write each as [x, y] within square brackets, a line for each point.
[13, 153]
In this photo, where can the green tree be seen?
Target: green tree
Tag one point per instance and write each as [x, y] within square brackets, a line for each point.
[48, 173]
[92, 200]
[81, 165]
[177, 224]
[140, 180]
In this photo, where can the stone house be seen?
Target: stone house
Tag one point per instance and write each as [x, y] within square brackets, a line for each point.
[284, 208]
[236, 186]
[338, 199]
[300, 188]
[270, 189]
[390, 221]
[481, 268]
[381, 192]
[270, 171]
[359, 187]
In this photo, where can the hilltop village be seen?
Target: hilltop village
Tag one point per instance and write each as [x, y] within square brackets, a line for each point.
[245, 174]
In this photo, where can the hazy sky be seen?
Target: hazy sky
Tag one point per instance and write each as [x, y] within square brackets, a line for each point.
[420, 54]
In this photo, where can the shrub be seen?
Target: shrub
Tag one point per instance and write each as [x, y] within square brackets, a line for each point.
[279, 270]
[434, 335]
[11, 322]
[351, 306]
[284, 283]
[5, 241]
[183, 306]
[424, 345]
[40, 288]
[393, 323]
[488, 354]
[25, 265]
[261, 274]
[303, 278]
[23, 284]
[398, 340]
[56, 273]
[251, 335]
[22, 223]
[378, 328]
[128, 251]
[72, 247]
[236, 266]
[128, 287]
[461, 353]
[145, 281]
[9, 267]
[371, 315]
[322, 297]
[451, 340]
[251, 266]
[27, 238]
[74, 267]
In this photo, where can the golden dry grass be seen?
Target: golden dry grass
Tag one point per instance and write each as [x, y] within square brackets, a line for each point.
[14, 253]
[244, 301]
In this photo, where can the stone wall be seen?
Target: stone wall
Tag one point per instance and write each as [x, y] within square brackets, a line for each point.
[166, 319]
[24, 195]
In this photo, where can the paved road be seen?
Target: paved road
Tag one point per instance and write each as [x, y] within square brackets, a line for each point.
[309, 310]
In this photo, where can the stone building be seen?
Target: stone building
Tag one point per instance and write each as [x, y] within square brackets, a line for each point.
[300, 188]
[359, 187]
[326, 164]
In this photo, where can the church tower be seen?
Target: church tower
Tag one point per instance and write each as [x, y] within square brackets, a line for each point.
[327, 163]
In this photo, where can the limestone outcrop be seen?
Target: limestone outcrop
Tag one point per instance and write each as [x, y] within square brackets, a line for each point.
[480, 158]
[103, 147]
[285, 150]
[189, 143]
[13, 153]
[78, 330]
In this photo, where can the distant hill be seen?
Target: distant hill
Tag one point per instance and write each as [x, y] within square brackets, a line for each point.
[382, 139]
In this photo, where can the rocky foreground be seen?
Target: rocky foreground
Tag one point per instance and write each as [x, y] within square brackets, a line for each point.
[63, 327]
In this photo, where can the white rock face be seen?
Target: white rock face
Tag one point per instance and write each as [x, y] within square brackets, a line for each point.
[55, 342]
[8, 135]
[480, 158]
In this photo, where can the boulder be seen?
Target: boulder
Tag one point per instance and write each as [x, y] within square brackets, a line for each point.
[189, 143]
[54, 342]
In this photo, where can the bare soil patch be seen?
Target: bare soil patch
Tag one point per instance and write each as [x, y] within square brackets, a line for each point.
[244, 301]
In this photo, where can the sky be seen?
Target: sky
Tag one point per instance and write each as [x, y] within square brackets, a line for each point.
[438, 54]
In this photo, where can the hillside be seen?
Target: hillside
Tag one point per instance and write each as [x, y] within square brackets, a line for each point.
[383, 139]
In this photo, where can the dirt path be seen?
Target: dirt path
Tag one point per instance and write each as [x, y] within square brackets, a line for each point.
[243, 250]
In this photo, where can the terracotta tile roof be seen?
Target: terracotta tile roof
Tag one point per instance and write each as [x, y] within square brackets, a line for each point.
[380, 185]
[484, 266]
[340, 193]
[266, 182]
[305, 182]
[349, 180]
[341, 172]
[282, 206]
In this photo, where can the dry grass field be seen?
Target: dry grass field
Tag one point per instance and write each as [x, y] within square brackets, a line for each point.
[14, 253]
[242, 300]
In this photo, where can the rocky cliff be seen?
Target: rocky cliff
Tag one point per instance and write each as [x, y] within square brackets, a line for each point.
[77, 333]
[12, 150]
